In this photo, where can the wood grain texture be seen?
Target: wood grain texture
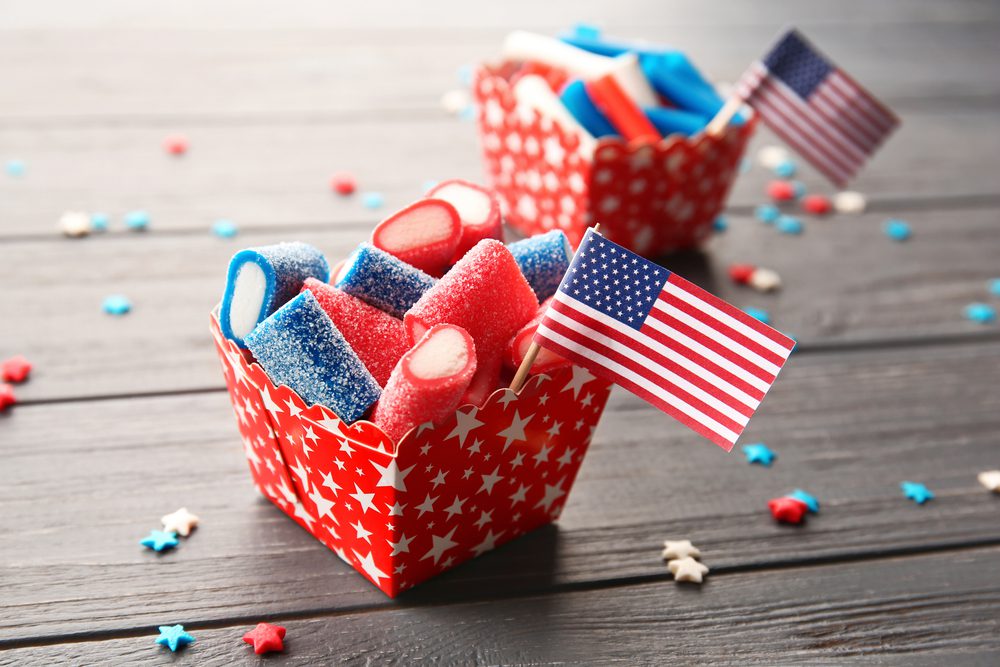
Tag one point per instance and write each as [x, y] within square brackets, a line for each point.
[88, 479]
[844, 281]
[930, 609]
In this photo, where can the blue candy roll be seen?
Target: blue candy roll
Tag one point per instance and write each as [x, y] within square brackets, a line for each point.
[382, 280]
[575, 98]
[602, 46]
[300, 347]
[543, 260]
[675, 121]
[261, 280]
[673, 76]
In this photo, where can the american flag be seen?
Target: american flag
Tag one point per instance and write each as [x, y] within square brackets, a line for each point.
[816, 107]
[686, 352]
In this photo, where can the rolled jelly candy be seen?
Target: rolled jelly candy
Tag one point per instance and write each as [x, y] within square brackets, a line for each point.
[533, 94]
[575, 98]
[677, 79]
[478, 208]
[486, 380]
[425, 234]
[543, 260]
[624, 114]
[261, 280]
[299, 346]
[484, 293]
[428, 382]
[384, 281]
[517, 349]
[675, 121]
[377, 337]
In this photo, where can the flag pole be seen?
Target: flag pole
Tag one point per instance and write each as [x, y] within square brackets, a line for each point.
[726, 113]
[521, 376]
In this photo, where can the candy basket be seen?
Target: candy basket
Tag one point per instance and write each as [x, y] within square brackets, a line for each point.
[652, 198]
[402, 513]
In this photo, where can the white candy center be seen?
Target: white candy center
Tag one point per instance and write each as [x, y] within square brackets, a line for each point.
[472, 205]
[248, 296]
[442, 355]
[422, 226]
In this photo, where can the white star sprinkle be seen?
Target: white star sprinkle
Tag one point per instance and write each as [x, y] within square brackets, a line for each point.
[679, 549]
[180, 522]
[687, 569]
[991, 480]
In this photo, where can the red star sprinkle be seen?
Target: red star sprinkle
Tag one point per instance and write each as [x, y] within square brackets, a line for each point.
[15, 369]
[176, 145]
[7, 397]
[780, 191]
[740, 273]
[787, 510]
[266, 637]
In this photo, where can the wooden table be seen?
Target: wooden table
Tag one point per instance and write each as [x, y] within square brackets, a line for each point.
[126, 419]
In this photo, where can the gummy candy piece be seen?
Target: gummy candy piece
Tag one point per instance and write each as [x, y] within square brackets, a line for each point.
[740, 273]
[174, 637]
[798, 189]
[175, 145]
[428, 382]
[116, 304]
[99, 222]
[849, 202]
[485, 381]
[225, 229]
[261, 280]
[787, 224]
[808, 499]
[917, 492]
[574, 96]
[517, 349]
[787, 510]
[299, 346]
[767, 213]
[816, 204]
[759, 314]
[159, 540]
[377, 337]
[425, 234]
[780, 191]
[343, 183]
[378, 278]
[137, 221]
[15, 369]
[74, 224]
[897, 230]
[627, 117]
[675, 121]
[785, 169]
[7, 397]
[770, 157]
[478, 208]
[720, 224]
[764, 280]
[543, 260]
[981, 312]
[266, 638]
[484, 293]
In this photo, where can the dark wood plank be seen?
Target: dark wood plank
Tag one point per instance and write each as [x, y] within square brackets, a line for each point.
[88, 479]
[844, 281]
[274, 175]
[931, 609]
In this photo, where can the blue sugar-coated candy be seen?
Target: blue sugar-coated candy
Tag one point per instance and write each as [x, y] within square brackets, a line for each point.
[897, 230]
[261, 280]
[575, 98]
[137, 221]
[99, 222]
[785, 169]
[300, 347]
[767, 213]
[788, 224]
[982, 313]
[543, 260]
[672, 75]
[675, 121]
[384, 281]
[116, 304]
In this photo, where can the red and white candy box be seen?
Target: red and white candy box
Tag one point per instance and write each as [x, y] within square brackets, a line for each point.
[400, 513]
[651, 197]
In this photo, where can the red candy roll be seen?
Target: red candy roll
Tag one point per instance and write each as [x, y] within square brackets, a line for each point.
[519, 344]
[484, 293]
[486, 380]
[478, 208]
[428, 382]
[425, 234]
[377, 337]
[623, 113]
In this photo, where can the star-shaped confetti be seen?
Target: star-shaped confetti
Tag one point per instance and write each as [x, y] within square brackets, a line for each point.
[679, 549]
[687, 569]
[181, 522]
[808, 499]
[117, 304]
[7, 397]
[159, 540]
[15, 369]
[787, 510]
[759, 453]
[916, 492]
[990, 479]
[174, 637]
[266, 638]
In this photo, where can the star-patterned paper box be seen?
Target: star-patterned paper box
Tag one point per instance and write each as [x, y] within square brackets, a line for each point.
[402, 513]
[652, 198]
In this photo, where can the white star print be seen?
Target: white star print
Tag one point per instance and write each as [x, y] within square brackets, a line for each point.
[401, 547]
[300, 511]
[427, 505]
[426, 426]
[323, 505]
[330, 484]
[361, 532]
[310, 434]
[515, 431]
[396, 509]
[581, 376]
[484, 518]
[553, 492]
[252, 456]
[489, 481]
[554, 429]
[249, 408]
[440, 545]
[368, 565]
[506, 397]
[439, 479]
[488, 544]
[518, 460]
[391, 475]
[426, 448]
[293, 409]
[338, 463]
[465, 422]
[269, 401]
[542, 456]
[287, 493]
[332, 425]
[476, 444]
[345, 446]
[519, 495]
[305, 447]
[301, 472]
[566, 459]
[455, 507]
[365, 499]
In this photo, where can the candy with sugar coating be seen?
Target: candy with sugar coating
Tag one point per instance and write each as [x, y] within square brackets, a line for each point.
[675, 121]
[261, 280]
[384, 281]
[517, 349]
[627, 117]
[425, 234]
[676, 78]
[575, 98]
[543, 260]
[377, 337]
[478, 209]
[299, 346]
[486, 380]
[528, 46]
[428, 382]
[484, 293]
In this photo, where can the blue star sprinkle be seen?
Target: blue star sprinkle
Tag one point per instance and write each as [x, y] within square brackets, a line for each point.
[788, 224]
[99, 222]
[981, 312]
[759, 453]
[785, 169]
[995, 287]
[758, 314]
[767, 213]
[897, 230]
[799, 188]
[916, 492]
[372, 200]
[116, 304]
[720, 224]
[159, 540]
[225, 229]
[137, 221]
[15, 168]
[174, 637]
[807, 498]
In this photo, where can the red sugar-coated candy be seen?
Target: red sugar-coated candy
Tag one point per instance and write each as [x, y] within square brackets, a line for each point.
[377, 337]
[740, 273]
[176, 145]
[519, 344]
[7, 397]
[428, 382]
[484, 293]
[425, 234]
[266, 638]
[343, 183]
[781, 191]
[816, 204]
[478, 208]
[787, 510]
[486, 381]
[15, 369]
